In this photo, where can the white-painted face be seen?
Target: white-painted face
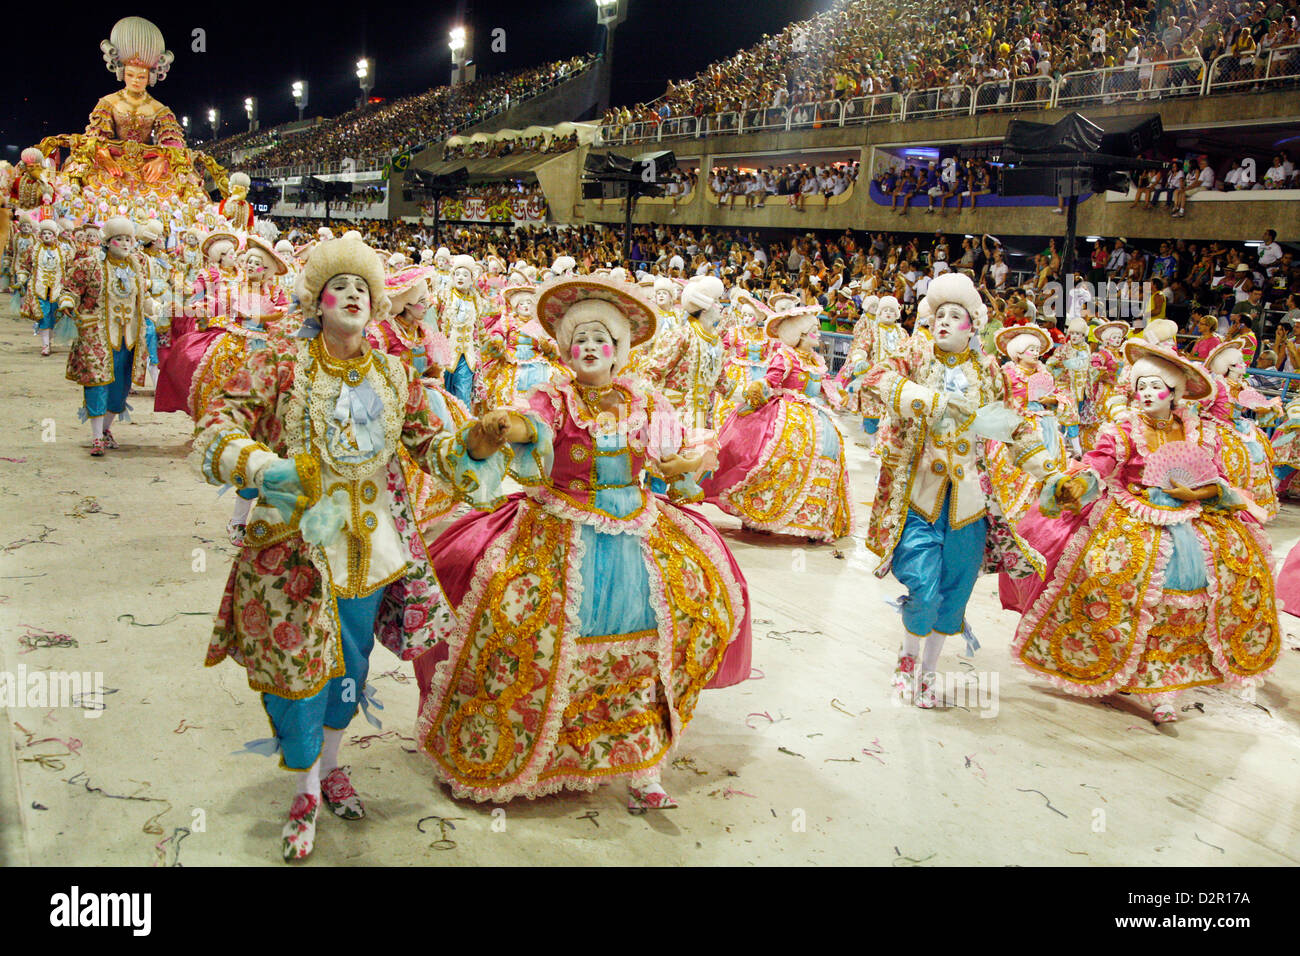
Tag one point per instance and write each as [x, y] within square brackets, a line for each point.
[663, 299]
[1112, 337]
[442, 260]
[494, 267]
[121, 246]
[887, 314]
[1230, 364]
[1154, 394]
[1078, 339]
[47, 234]
[256, 265]
[710, 317]
[1030, 354]
[345, 304]
[525, 306]
[462, 278]
[222, 253]
[591, 353]
[748, 314]
[952, 327]
[416, 308]
[191, 240]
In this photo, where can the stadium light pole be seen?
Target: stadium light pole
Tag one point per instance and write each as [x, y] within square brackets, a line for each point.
[609, 14]
[459, 44]
[299, 90]
[185, 125]
[250, 110]
[366, 78]
[214, 120]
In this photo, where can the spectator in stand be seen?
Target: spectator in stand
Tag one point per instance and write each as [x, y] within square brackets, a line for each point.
[1207, 340]
[1201, 178]
[1275, 176]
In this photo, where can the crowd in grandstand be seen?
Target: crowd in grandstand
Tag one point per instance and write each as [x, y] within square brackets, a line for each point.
[868, 47]
[794, 182]
[373, 133]
[491, 149]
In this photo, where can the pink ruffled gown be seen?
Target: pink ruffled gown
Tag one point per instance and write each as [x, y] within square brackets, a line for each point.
[590, 613]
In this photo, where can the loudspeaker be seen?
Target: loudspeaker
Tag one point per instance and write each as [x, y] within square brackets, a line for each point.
[1130, 135]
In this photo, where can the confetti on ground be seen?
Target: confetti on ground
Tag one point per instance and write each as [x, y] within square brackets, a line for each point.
[591, 815]
[130, 618]
[688, 763]
[1044, 796]
[39, 539]
[37, 638]
[841, 760]
[756, 674]
[89, 506]
[900, 860]
[1207, 843]
[979, 771]
[1088, 786]
[791, 753]
[185, 725]
[172, 843]
[444, 824]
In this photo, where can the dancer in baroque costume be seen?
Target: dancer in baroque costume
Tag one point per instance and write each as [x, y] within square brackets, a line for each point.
[42, 269]
[1152, 587]
[517, 353]
[782, 465]
[108, 298]
[590, 612]
[937, 517]
[877, 337]
[208, 313]
[1103, 379]
[406, 334]
[462, 310]
[1247, 452]
[332, 558]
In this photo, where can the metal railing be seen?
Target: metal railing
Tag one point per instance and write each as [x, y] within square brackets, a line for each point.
[1157, 80]
[1230, 73]
[1118, 84]
[938, 101]
[877, 108]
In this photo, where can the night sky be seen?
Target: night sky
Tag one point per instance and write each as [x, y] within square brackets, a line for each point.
[260, 50]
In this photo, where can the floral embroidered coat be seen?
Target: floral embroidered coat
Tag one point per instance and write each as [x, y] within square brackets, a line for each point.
[86, 295]
[278, 616]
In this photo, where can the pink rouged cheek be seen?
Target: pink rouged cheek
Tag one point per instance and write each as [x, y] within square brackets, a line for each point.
[575, 351]
[329, 298]
[606, 351]
[1163, 394]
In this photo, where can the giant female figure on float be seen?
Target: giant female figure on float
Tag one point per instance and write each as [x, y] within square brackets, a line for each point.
[133, 150]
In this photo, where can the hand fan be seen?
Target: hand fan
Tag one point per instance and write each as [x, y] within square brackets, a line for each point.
[1251, 399]
[1040, 384]
[1179, 462]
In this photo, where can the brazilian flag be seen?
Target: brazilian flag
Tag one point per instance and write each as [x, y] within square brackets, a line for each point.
[399, 162]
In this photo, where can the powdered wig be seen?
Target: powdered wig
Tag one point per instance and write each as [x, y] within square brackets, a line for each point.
[603, 313]
[1167, 372]
[342, 257]
[888, 302]
[1018, 344]
[954, 287]
[134, 41]
[1221, 362]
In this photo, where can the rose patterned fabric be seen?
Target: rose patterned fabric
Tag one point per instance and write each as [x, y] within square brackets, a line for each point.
[278, 617]
[85, 292]
[1106, 621]
[774, 471]
[527, 702]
